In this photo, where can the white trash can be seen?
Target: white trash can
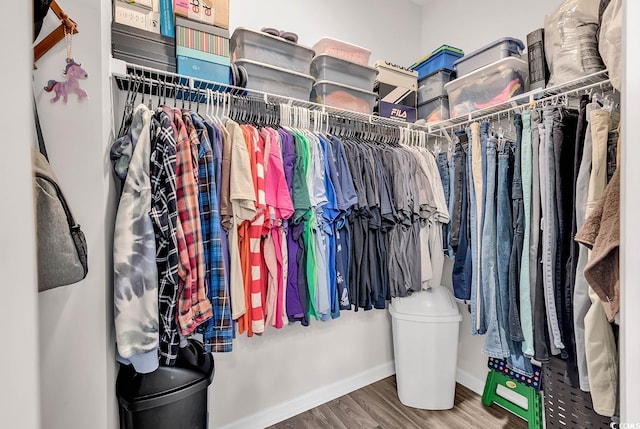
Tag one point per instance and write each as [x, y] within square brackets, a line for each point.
[425, 345]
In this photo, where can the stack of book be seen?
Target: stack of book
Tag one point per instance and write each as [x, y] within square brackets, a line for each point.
[202, 39]
[190, 37]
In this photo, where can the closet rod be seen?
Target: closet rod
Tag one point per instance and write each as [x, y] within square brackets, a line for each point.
[519, 102]
[123, 72]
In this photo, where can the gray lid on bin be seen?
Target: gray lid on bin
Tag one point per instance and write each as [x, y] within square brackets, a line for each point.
[435, 304]
[509, 42]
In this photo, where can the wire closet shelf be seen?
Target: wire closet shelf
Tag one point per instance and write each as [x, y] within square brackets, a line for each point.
[166, 84]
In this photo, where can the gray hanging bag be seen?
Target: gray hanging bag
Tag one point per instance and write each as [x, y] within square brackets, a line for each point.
[62, 248]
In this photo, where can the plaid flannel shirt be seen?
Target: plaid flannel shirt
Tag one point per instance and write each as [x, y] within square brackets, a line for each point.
[193, 306]
[164, 214]
[217, 331]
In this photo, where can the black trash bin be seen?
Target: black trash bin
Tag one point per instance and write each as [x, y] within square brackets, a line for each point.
[170, 397]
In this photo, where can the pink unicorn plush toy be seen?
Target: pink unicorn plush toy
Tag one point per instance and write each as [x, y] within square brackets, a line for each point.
[73, 72]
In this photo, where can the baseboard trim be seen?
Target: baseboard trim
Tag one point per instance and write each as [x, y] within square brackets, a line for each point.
[470, 381]
[312, 399]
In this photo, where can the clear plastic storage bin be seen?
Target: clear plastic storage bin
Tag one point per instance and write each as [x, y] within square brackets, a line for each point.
[327, 67]
[276, 80]
[343, 97]
[432, 86]
[434, 110]
[345, 50]
[491, 53]
[491, 85]
[275, 51]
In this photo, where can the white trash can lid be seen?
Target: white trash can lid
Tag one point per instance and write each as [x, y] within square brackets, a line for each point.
[435, 305]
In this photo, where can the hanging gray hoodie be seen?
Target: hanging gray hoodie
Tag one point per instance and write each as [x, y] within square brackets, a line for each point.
[134, 256]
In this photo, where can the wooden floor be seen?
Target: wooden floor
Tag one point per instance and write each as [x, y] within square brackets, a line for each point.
[377, 406]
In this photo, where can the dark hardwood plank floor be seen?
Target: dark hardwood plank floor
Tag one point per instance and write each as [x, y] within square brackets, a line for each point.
[377, 407]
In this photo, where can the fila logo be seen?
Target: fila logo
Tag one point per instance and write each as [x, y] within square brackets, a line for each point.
[398, 113]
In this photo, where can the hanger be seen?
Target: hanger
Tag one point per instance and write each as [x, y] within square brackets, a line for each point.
[53, 38]
[607, 103]
[144, 87]
[132, 93]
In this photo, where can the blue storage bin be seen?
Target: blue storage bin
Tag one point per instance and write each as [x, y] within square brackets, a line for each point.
[441, 58]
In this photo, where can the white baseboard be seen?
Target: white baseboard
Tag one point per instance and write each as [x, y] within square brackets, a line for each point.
[470, 381]
[312, 399]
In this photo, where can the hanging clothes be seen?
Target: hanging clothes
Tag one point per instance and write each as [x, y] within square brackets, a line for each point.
[532, 291]
[251, 227]
[217, 332]
[134, 255]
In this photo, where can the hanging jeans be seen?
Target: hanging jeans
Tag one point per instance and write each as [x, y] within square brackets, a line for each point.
[461, 275]
[549, 228]
[475, 196]
[515, 325]
[526, 318]
[443, 169]
[459, 176]
[534, 224]
[504, 227]
[565, 125]
[581, 129]
[495, 344]
[581, 301]
[450, 203]
[541, 332]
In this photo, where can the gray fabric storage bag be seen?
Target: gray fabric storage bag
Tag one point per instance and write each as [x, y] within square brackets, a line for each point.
[62, 248]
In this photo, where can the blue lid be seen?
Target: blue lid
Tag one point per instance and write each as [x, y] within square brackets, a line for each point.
[509, 40]
[444, 48]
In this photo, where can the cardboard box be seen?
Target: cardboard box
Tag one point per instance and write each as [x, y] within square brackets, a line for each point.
[213, 12]
[393, 74]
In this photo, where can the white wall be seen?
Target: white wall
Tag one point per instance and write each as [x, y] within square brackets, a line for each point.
[19, 386]
[390, 29]
[285, 372]
[76, 348]
[470, 25]
[265, 380]
[629, 228]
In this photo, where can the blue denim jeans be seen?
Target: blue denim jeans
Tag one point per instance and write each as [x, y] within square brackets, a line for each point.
[461, 275]
[484, 135]
[495, 343]
[504, 227]
[443, 169]
[517, 214]
[475, 197]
